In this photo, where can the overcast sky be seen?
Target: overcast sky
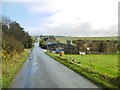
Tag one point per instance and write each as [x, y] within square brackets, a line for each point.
[64, 17]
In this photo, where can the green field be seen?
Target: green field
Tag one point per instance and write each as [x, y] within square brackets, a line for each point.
[101, 69]
[63, 39]
[107, 64]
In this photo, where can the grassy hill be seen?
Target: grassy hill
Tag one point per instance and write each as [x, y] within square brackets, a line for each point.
[63, 39]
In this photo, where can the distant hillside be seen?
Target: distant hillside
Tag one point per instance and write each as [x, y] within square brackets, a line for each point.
[63, 39]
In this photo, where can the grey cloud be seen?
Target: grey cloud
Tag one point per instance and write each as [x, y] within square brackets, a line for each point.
[84, 29]
[62, 29]
[111, 31]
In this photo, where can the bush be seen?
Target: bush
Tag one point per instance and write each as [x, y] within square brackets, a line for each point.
[42, 44]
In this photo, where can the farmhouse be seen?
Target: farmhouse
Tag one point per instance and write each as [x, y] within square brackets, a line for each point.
[69, 48]
[49, 39]
[52, 46]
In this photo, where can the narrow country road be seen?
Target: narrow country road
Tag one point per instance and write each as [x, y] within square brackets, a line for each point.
[44, 72]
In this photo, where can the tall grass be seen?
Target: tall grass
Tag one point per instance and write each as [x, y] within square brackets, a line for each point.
[11, 67]
[0, 75]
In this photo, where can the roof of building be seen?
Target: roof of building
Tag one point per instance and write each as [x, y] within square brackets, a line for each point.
[50, 43]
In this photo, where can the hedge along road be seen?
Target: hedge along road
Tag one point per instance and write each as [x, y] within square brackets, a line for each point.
[41, 71]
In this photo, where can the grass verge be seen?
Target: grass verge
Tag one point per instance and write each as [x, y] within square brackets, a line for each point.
[0, 75]
[11, 67]
[101, 79]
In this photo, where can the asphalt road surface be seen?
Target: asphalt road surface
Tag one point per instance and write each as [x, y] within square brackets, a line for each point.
[41, 71]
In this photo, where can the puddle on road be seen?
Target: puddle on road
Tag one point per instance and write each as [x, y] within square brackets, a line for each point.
[34, 68]
[34, 64]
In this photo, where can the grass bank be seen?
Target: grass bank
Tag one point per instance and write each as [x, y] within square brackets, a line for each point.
[100, 69]
[0, 75]
[11, 67]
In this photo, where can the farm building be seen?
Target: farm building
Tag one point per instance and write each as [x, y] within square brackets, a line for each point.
[97, 46]
[69, 48]
[51, 46]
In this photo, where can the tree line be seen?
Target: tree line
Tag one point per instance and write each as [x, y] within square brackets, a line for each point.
[97, 46]
[14, 38]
